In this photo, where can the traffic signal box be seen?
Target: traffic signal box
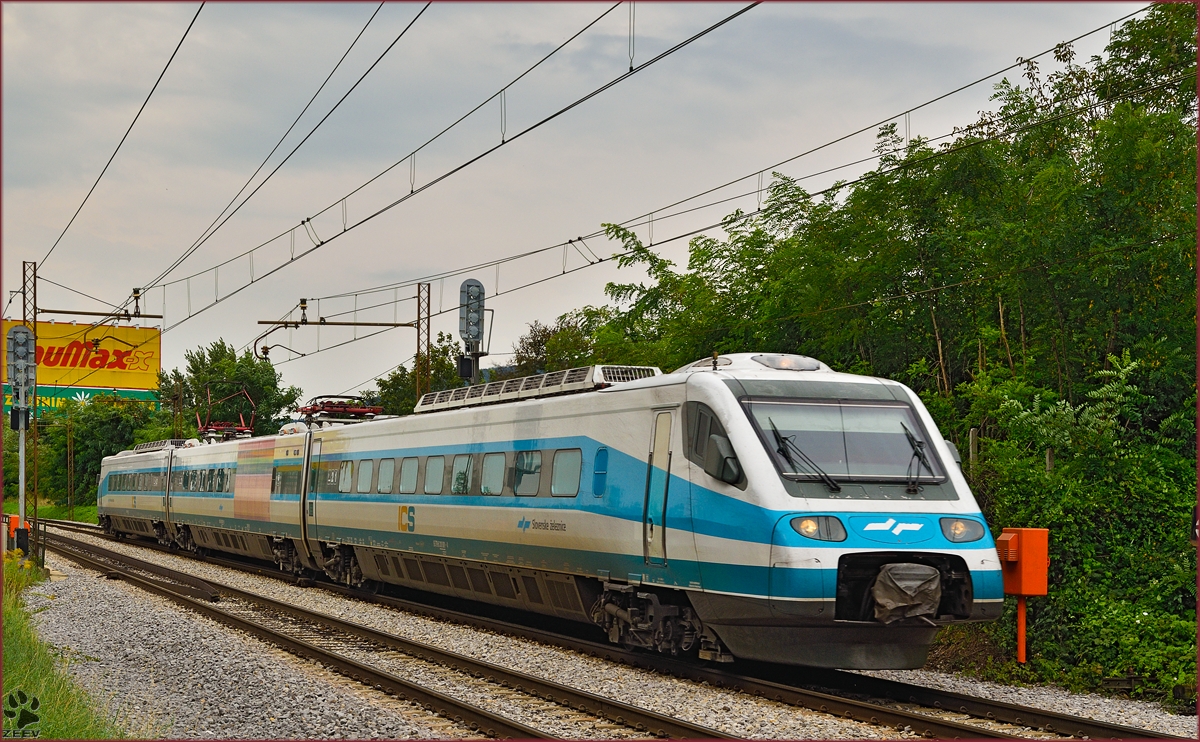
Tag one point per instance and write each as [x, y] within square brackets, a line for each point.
[1025, 560]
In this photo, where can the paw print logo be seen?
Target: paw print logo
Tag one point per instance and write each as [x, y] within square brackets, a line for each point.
[20, 710]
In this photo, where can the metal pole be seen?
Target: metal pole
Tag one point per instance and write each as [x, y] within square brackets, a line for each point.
[21, 469]
[1021, 629]
[70, 470]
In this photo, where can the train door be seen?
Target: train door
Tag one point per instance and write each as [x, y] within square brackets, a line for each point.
[658, 478]
[308, 521]
[167, 488]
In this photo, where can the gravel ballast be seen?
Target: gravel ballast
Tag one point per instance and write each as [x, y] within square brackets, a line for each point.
[160, 671]
[729, 711]
[1131, 713]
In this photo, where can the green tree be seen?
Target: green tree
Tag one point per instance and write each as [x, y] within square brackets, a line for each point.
[1033, 276]
[565, 344]
[102, 426]
[396, 392]
[210, 389]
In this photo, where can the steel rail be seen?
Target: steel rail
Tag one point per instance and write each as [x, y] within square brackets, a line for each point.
[846, 708]
[448, 707]
[982, 708]
[1050, 721]
[621, 713]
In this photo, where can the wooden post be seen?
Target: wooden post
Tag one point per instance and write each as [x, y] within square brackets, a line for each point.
[974, 449]
[1049, 459]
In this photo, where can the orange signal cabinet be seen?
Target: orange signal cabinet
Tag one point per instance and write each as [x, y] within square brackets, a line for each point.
[1025, 560]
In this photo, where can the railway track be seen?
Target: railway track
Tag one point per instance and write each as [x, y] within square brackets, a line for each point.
[929, 711]
[389, 663]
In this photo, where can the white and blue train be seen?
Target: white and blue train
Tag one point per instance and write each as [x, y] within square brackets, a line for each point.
[755, 506]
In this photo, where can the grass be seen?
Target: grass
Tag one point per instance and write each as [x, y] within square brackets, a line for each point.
[83, 513]
[30, 665]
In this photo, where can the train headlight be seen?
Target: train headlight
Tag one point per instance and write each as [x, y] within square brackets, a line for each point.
[961, 530]
[820, 527]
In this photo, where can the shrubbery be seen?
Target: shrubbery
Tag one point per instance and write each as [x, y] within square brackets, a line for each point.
[1118, 503]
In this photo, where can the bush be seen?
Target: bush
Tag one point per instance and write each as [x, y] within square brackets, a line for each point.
[1118, 503]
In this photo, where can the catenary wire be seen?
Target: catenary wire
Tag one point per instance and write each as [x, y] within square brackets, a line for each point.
[529, 129]
[432, 139]
[76, 291]
[869, 176]
[845, 184]
[189, 251]
[468, 163]
[633, 222]
[209, 231]
[123, 138]
[1020, 62]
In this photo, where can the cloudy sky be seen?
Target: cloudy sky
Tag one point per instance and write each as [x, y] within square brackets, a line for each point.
[775, 82]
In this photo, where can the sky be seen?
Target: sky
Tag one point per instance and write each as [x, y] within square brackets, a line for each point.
[776, 81]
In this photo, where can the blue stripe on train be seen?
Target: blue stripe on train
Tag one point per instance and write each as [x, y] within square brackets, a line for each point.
[749, 580]
[704, 512]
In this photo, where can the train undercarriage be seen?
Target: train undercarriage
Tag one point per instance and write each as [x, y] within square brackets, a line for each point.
[711, 627]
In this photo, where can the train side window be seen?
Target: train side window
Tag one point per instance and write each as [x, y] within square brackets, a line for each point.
[220, 484]
[435, 471]
[701, 423]
[408, 476]
[346, 477]
[527, 472]
[231, 471]
[387, 472]
[210, 480]
[492, 482]
[460, 476]
[366, 468]
[564, 477]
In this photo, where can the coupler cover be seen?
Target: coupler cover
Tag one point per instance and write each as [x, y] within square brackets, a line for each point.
[906, 590]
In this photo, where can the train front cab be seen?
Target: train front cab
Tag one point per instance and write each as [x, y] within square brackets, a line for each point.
[806, 596]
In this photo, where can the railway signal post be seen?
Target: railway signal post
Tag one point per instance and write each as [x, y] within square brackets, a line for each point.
[21, 355]
[470, 327]
[1025, 559]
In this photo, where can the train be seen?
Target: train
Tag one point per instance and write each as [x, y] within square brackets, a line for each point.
[748, 506]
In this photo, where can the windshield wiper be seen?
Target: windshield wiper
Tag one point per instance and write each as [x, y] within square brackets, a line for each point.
[918, 449]
[785, 443]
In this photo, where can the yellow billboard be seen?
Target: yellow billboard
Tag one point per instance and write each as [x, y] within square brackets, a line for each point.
[81, 355]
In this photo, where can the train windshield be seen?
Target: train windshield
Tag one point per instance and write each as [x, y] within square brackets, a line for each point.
[845, 440]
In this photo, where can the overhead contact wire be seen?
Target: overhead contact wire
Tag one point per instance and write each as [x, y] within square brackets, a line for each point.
[123, 138]
[410, 158]
[209, 231]
[475, 159]
[390, 46]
